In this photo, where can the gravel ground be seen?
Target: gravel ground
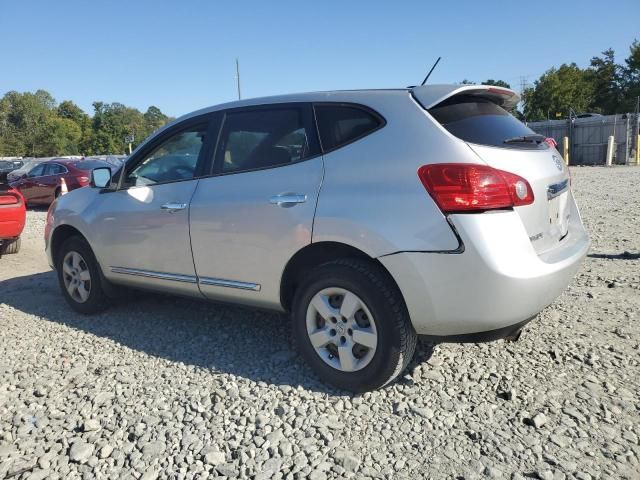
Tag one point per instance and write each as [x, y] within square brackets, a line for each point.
[171, 388]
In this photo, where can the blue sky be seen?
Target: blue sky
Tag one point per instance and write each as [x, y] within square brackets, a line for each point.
[180, 55]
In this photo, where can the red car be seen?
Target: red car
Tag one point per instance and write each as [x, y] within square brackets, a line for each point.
[43, 183]
[12, 217]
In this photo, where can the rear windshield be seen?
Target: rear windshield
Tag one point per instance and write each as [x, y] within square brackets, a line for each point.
[90, 164]
[481, 121]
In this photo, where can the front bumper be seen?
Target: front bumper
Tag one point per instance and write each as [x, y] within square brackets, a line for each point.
[498, 281]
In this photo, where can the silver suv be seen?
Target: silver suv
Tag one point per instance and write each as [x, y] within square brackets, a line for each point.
[371, 216]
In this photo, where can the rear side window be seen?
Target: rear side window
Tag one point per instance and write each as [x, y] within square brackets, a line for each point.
[341, 124]
[263, 138]
[481, 121]
[54, 169]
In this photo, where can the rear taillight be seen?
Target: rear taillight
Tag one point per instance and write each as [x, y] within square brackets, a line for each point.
[460, 187]
[83, 180]
[9, 199]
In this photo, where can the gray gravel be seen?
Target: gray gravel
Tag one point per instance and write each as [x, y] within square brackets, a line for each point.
[166, 388]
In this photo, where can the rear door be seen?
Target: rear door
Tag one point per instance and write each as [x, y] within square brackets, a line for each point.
[256, 209]
[503, 142]
[51, 181]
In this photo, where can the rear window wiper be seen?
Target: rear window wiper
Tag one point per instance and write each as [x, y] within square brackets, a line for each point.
[533, 138]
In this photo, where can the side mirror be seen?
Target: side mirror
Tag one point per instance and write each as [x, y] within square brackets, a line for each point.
[101, 177]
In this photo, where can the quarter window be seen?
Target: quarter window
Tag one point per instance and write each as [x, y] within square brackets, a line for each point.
[341, 124]
[174, 159]
[263, 138]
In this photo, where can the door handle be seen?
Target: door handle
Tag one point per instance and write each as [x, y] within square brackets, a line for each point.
[173, 206]
[287, 199]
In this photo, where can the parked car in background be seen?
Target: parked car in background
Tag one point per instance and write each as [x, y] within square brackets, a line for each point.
[28, 164]
[44, 182]
[12, 219]
[371, 216]
[8, 166]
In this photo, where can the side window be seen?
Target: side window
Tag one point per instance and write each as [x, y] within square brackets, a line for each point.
[54, 169]
[341, 124]
[263, 138]
[36, 171]
[174, 159]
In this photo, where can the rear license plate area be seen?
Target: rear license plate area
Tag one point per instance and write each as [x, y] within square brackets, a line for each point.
[559, 214]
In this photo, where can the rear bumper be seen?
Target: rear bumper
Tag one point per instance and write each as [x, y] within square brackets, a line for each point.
[481, 337]
[498, 282]
[11, 228]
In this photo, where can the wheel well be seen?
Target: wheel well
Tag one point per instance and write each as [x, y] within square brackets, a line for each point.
[311, 256]
[60, 234]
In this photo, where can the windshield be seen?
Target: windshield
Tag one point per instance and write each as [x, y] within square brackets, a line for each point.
[477, 120]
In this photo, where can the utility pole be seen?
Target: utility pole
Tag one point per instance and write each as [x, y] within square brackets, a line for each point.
[524, 83]
[523, 86]
[238, 77]
[638, 130]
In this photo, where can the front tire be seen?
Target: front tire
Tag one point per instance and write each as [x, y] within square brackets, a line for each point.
[351, 325]
[79, 276]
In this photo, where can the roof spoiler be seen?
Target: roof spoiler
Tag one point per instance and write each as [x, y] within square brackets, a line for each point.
[431, 95]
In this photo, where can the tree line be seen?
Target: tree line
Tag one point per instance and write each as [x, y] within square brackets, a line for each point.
[35, 125]
[604, 87]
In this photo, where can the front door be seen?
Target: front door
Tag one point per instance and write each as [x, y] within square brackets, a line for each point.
[28, 185]
[142, 228]
[256, 211]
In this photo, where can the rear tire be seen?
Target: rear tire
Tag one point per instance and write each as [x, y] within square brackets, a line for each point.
[79, 276]
[360, 345]
[10, 247]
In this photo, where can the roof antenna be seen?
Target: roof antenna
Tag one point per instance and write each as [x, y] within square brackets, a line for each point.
[429, 74]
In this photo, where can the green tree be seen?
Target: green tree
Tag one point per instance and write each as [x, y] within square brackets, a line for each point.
[68, 109]
[605, 78]
[27, 122]
[112, 122]
[11, 142]
[65, 137]
[154, 119]
[32, 124]
[630, 78]
[497, 83]
[558, 90]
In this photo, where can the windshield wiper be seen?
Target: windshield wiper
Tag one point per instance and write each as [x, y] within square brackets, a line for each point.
[532, 138]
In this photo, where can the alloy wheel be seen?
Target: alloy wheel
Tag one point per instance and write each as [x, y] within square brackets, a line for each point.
[76, 276]
[341, 329]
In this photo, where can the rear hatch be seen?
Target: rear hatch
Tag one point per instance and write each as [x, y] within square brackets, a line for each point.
[479, 115]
